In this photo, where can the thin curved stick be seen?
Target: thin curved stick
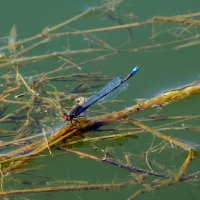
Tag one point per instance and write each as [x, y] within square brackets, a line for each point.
[85, 187]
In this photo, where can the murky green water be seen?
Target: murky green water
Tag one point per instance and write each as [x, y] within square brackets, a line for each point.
[168, 66]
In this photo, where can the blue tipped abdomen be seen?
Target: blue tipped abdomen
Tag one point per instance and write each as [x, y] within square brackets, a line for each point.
[134, 70]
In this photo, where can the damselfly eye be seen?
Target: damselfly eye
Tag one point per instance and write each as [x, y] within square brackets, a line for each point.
[69, 118]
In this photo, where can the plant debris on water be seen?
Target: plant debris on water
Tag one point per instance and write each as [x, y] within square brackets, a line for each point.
[32, 104]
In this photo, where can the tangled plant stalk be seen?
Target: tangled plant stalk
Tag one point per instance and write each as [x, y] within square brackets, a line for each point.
[37, 95]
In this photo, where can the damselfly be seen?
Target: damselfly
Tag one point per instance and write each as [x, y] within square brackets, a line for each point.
[109, 91]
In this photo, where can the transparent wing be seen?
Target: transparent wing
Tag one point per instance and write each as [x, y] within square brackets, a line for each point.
[114, 93]
[105, 91]
[110, 91]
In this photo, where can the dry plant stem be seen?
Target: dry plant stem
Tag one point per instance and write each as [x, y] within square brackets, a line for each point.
[20, 132]
[25, 60]
[160, 100]
[193, 175]
[191, 152]
[13, 102]
[12, 90]
[151, 188]
[8, 92]
[20, 141]
[170, 181]
[25, 154]
[111, 186]
[185, 165]
[49, 30]
[104, 138]
[134, 132]
[162, 184]
[174, 19]
[178, 19]
[69, 131]
[165, 44]
[114, 163]
[182, 170]
[26, 107]
[184, 19]
[192, 43]
[104, 29]
[160, 135]
[23, 51]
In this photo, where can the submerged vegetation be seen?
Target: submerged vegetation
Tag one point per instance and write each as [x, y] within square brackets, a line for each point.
[31, 105]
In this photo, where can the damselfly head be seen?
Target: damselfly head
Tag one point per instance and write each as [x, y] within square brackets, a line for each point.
[67, 117]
